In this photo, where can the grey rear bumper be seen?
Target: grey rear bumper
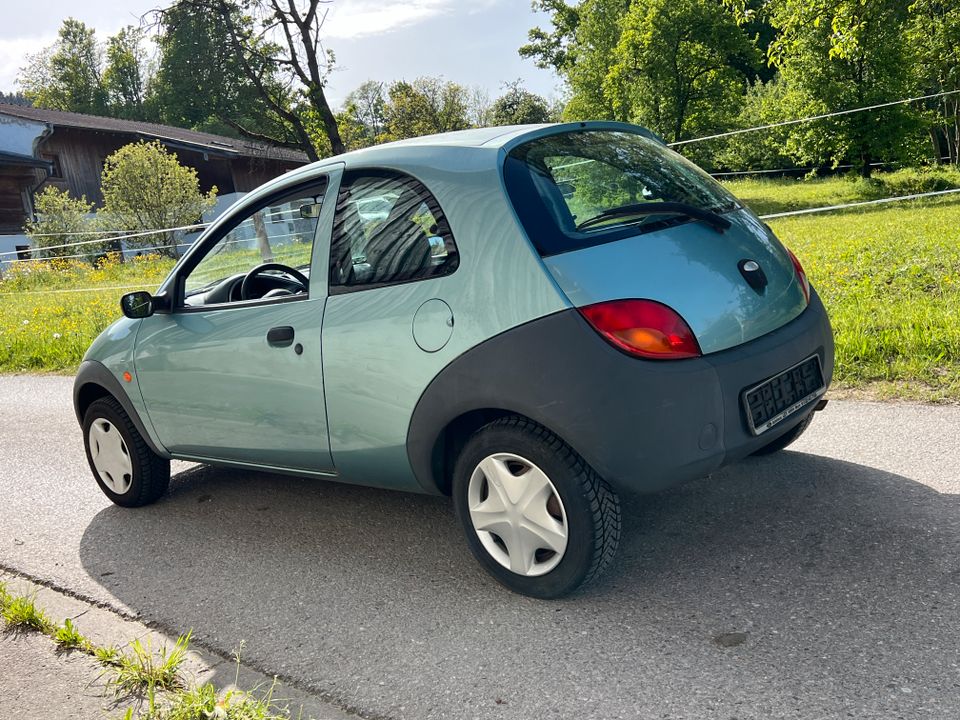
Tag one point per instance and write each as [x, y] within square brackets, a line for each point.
[643, 425]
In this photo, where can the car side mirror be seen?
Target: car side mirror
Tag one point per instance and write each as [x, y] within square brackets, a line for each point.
[310, 211]
[137, 304]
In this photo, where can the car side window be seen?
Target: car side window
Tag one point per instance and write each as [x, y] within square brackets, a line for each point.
[280, 231]
[388, 229]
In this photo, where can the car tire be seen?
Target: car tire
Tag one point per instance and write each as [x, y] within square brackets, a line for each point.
[559, 525]
[786, 439]
[126, 469]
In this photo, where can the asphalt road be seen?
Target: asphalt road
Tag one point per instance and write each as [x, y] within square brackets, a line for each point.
[822, 582]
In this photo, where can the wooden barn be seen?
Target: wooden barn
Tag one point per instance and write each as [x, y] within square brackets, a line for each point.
[41, 147]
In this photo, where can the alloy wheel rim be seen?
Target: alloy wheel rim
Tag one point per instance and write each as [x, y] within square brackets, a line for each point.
[517, 514]
[110, 456]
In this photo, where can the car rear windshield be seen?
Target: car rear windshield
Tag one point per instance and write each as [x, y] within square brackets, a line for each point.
[580, 188]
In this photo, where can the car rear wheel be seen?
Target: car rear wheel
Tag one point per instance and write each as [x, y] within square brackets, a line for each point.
[535, 515]
[787, 438]
[126, 469]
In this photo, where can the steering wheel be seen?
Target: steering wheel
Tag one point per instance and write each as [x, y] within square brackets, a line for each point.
[247, 286]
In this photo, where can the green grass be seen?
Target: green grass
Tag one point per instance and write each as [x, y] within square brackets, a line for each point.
[21, 613]
[151, 676]
[889, 275]
[768, 195]
[141, 670]
[42, 330]
[203, 702]
[890, 279]
[67, 637]
[107, 656]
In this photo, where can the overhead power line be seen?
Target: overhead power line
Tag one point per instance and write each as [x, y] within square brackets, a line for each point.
[812, 118]
[844, 206]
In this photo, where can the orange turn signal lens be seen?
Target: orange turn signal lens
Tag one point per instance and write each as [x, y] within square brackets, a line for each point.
[127, 376]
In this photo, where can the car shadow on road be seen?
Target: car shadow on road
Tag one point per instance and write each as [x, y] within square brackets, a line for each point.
[347, 588]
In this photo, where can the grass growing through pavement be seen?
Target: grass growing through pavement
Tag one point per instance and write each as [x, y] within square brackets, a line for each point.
[20, 613]
[67, 637]
[155, 676]
[142, 668]
[203, 702]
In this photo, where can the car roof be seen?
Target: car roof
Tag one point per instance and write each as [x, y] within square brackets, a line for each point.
[444, 151]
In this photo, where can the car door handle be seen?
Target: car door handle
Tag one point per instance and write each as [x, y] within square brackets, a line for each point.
[281, 336]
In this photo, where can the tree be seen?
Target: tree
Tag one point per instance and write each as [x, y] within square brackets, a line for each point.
[199, 82]
[425, 106]
[146, 188]
[679, 67]
[15, 98]
[676, 68]
[841, 54]
[934, 34]
[479, 107]
[518, 106]
[124, 78]
[579, 48]
[276, 46]
[363, 119]
[61, 220]
[764, 150]
[66, 76]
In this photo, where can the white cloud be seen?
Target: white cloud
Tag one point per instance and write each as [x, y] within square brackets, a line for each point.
[360, 18]
[13, 56]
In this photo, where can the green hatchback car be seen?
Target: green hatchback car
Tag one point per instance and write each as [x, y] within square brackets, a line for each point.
[531, 319]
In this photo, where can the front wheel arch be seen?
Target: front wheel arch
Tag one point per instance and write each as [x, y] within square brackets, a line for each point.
[86, 395]
[93, 382]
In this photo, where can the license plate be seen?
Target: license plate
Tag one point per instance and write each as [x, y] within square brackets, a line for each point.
[776, 399]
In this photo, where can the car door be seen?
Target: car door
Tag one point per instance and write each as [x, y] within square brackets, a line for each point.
[240, 379]
[388, 322]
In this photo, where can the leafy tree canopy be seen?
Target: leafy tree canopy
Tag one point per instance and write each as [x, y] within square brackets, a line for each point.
[67, 75]
[518, 106]
[145, 187]
[425, 106]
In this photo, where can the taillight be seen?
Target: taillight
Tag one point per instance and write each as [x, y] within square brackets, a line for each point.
[801, 275]
[643, 328]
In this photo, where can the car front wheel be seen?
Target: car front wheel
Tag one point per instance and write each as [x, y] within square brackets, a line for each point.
[126, 469]
[538, 518]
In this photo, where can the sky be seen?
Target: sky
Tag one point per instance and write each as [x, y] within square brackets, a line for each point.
[472, 42]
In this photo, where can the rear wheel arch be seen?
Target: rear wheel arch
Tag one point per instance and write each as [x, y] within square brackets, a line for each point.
[487, 382]
[451, 440]
[454, 435]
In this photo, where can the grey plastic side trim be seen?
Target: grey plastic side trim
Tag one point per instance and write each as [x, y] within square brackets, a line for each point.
[642, 425]
[92, 372]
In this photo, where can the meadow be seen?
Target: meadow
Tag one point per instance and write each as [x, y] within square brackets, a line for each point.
[889, 275]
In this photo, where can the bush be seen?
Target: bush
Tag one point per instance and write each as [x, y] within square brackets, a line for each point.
[921, 180]
[146, 188]
[61, 220]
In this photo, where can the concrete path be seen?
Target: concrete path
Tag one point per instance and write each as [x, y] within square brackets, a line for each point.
[822, 582]
[38, 684]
